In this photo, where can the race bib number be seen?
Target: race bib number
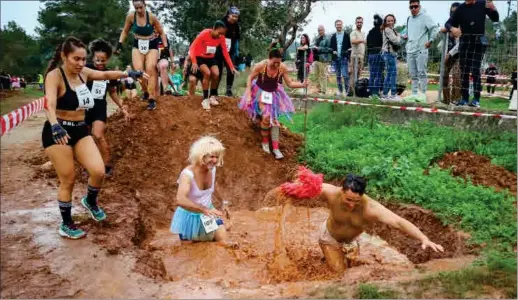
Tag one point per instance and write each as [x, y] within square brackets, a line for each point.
[209, 223]
[129, 80]
[99, 89]
[85, 98]
[228, 42]
[266, 97]
[143, 46]
[211, 49]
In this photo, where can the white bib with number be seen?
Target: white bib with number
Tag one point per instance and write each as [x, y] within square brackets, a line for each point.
[228, 42]
[85, 98]
[211, 49]
[143, 46]
[99, 89]
[209, 223]
[267, 97]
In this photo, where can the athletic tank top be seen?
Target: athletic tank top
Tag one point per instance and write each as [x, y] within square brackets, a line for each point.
[267, 83]
[69, 100]
[145, 30]
[201, 197]
[102, 89]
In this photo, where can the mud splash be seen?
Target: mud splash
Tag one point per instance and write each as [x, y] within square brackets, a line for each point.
[479, 169]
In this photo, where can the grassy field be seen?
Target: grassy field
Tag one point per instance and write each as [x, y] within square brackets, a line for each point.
[394, 158]
[14, 99]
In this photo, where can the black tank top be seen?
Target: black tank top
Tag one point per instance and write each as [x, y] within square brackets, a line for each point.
[267, 83]
[90, 83]
[69, 100]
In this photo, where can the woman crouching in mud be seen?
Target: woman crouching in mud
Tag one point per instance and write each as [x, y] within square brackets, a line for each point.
[195, 218]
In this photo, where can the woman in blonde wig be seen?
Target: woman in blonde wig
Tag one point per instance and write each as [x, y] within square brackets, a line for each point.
[195, 218]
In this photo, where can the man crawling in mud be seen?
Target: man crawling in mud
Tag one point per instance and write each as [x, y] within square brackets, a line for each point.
[351, 211]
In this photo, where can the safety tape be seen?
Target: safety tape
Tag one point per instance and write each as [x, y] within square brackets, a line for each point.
[411, 108]
[17, 116]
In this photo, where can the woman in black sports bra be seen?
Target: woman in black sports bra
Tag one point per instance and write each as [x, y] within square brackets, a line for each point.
[96, 117]
[145, 46]
[65, 135]
[265, 98]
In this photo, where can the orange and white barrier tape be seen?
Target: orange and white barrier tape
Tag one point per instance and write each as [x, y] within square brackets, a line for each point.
[16, 117]
[410, 108]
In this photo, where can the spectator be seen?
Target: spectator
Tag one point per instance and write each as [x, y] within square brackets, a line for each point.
[357, 52]
[23, 83]
[321, 51]
[248, 61]
[468, 24]
[15, 82]
[232, 37]
[40, 81]
[513, 80]
[420, 33]
[491, 73]
[451, 64]
[304, 57]
[376, 66]
[341, 46]
[391, 45]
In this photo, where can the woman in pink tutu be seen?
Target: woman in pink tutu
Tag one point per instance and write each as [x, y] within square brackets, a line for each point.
[265, 98]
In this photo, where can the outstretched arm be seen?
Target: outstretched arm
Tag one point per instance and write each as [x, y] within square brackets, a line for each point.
[377, 212]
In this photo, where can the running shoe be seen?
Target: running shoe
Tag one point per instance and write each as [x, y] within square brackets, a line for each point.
[151, 104]
[205, 104]
[266, 148]
[229, 93]
[71, 231]
[462, 102]
[475, 103]
[96, 212]
[213, 100]
[278, 154]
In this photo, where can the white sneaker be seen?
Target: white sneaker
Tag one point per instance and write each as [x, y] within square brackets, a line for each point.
[205, 104]
[278, 154]
[338, 94]
[266, 148]
[396, 98]
[213, 100]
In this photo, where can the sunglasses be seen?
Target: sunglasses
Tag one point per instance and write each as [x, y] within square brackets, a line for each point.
[414, 6]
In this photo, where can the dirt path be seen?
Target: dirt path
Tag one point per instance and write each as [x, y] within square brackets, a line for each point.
[133, 255]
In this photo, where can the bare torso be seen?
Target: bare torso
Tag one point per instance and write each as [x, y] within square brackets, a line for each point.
[343, 223]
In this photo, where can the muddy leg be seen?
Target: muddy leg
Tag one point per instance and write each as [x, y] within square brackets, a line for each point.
[222, 238]
[335, 257]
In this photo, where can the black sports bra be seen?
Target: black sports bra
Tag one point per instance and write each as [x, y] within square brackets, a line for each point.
[69, 100]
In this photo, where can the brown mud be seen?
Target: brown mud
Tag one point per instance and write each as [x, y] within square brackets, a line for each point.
[479, 169]
[132, 254]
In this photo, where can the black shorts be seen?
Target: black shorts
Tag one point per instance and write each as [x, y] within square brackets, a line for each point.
[75, 129]
[97, 113]
[198, 74]
[153, 44]
[130, 86]
[209, 62]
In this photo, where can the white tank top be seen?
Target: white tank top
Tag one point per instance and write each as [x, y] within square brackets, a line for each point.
[201, 197]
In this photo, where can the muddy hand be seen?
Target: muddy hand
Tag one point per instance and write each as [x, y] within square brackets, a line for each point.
[213, 213]
[435, 247]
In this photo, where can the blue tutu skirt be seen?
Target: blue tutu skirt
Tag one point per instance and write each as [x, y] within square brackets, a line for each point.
[188, 225]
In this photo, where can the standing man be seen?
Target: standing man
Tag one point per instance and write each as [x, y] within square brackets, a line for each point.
[357, 54]
[420, 33]
[232, 38]
[341, 46]
[376, 66]
[468, 23]
[491, 73]
[321, 51]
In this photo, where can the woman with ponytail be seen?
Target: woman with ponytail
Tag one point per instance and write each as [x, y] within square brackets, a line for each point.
[65, 135]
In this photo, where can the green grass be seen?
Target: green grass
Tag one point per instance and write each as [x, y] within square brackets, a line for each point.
[394, 159]
[18, 98]
[369, 291]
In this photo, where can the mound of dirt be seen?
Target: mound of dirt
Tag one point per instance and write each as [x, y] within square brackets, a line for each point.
[479, 169]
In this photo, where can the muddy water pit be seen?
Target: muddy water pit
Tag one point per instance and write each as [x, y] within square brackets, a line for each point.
[149, 155]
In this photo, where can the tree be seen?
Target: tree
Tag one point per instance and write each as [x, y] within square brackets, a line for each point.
[20, 52]
[260, 20]
[86, 20]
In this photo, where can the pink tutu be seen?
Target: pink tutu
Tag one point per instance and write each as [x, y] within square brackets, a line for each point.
[281, 104]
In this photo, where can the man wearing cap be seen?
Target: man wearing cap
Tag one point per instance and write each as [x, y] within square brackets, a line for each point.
[232, 38]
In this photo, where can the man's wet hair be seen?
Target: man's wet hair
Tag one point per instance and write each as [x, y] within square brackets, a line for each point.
[355, 184]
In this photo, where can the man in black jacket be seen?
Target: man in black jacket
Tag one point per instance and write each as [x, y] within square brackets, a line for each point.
[341, 47]
[376, 65]
[232, 38]
[468, 23]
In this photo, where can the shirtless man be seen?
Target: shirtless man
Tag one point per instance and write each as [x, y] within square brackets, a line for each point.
[351, 211]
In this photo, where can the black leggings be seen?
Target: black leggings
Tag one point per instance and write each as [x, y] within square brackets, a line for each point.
[230, 75]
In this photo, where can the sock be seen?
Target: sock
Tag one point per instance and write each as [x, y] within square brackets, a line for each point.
[214, 92]
[265, 140]
[275, 145]
[275, 137]
[265, 134]
[91, 196]
[66, 212]
[205, 94]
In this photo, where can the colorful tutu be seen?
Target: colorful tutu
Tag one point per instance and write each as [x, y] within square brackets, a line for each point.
[188, 225]
[281, 104]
